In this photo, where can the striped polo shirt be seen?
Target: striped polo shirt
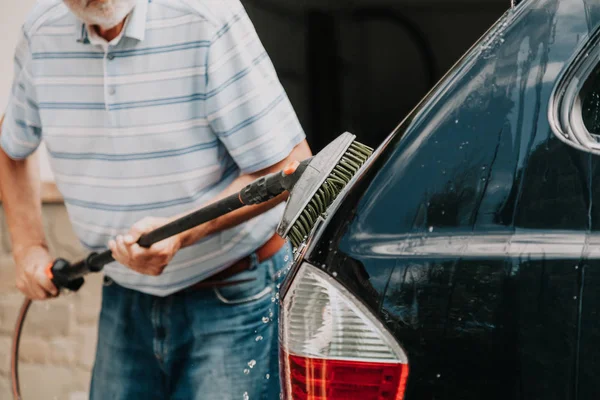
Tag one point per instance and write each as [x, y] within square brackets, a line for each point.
[155, 123]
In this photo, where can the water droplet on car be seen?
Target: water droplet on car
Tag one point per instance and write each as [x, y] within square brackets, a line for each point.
[265, 320]
[431, 229]
[334, 274]
[270, 314]
[246, 371]
[277, 296]
[251, 363]
[286, 258]
[438, 375]
[246, 396]
[443, 212]
[278, 285]
[259, 338]
[267, 376]
[456, 122]
[273, 299]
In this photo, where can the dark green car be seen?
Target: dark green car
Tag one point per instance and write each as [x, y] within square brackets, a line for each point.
[463, 261]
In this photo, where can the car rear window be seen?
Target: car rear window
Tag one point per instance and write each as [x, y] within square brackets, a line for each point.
[590, 102]
[575, 104]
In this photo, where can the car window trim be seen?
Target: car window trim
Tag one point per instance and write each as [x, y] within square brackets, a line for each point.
[565, 111]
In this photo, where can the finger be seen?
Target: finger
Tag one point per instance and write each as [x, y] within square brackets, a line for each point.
[123, 249]
[112, 245]
[46, 283]
[139, 228]
[21, 285]
[137, 252]
[32, 290]
[142, 258]
[37, 292]
[116, 252]
[129, 239]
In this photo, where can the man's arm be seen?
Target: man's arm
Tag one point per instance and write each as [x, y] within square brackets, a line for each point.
[21, 200]
[299, 153]
[250, 113]
[154, 260]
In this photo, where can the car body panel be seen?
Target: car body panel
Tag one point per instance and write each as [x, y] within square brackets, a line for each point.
[472, 233]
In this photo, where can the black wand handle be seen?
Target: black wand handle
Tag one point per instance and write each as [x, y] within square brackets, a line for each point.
[71, 276]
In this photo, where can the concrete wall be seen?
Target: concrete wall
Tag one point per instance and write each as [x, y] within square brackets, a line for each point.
[59, 337]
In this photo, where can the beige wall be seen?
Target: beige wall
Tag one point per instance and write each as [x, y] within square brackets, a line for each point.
[59, 337]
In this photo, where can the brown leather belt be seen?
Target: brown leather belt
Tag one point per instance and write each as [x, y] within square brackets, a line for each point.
[266, 251]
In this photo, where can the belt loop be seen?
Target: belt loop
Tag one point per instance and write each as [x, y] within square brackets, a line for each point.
[253, 261]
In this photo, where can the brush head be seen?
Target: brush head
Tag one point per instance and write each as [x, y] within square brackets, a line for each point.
[325, 177]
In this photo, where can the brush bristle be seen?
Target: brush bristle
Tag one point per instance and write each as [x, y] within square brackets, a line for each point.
[350, 163]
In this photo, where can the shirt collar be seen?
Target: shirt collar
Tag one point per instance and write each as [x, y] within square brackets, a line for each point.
[135, 27]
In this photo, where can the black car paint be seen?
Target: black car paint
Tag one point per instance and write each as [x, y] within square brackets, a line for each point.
[471, 234]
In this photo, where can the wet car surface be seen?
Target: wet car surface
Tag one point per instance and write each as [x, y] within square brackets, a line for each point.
[472, 235]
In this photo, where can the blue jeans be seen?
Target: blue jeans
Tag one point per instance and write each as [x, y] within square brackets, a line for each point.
[206, 344]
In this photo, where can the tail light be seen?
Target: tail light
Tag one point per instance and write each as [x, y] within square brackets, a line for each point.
[333, 348]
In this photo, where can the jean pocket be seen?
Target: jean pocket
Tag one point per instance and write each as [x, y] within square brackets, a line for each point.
[258, 286]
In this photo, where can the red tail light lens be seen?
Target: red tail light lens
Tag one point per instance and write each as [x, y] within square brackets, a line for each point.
[333, 348]
[316, 379]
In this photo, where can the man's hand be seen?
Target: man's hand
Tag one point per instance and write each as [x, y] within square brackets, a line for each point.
[31, 276]
[150, 261]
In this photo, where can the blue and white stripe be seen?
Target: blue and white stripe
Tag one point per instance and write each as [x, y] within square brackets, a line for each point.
[156, 124]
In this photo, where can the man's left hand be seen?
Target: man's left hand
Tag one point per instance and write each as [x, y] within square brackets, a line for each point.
[150, 261]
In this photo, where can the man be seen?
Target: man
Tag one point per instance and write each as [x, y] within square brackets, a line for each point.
[150, 109]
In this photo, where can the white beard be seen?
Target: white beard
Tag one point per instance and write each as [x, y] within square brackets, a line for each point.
[104, 13]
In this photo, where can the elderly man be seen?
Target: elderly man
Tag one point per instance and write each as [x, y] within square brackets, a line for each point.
[150, 109]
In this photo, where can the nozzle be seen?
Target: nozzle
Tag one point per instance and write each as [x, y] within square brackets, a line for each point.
[271, 186]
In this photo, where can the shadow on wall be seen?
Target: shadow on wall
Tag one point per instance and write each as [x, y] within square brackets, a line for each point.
[362, 68]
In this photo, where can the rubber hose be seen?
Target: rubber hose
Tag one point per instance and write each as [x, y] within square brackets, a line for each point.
[14, 361]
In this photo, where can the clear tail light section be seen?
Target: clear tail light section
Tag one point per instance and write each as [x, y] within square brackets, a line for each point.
[333, 348]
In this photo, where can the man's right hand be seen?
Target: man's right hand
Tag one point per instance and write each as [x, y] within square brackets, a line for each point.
[31, 275]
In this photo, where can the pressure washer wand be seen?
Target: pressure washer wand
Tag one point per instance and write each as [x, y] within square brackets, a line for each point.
[71, 276]
[316, 183]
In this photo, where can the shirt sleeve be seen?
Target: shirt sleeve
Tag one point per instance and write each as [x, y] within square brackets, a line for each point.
[21, 129]
[246, 105]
